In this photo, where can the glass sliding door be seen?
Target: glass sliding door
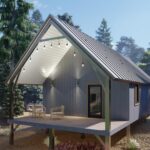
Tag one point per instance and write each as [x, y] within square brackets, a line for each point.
[95, 101]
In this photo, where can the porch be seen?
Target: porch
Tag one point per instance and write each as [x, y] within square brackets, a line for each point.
[74, 124]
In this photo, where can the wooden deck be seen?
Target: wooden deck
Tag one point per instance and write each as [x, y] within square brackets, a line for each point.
[74, 124]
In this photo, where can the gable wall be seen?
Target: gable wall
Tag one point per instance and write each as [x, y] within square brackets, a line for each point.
[65, 90]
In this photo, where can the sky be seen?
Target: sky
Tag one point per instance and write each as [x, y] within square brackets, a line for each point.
[125, 17]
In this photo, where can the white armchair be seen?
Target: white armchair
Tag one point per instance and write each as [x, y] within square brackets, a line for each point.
[57, 112]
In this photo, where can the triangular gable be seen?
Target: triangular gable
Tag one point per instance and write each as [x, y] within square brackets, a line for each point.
[111, 62]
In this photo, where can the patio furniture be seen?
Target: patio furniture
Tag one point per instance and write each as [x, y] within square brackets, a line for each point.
[37, 110]
[57, 112]
[30, 107]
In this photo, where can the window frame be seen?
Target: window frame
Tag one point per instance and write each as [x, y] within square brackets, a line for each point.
[136, 94]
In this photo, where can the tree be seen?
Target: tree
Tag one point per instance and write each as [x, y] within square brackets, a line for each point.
[127, 47]
[37, 20]
[104, 34]
[15, 29]
[5, 95]
[145, 62]
[68, 18]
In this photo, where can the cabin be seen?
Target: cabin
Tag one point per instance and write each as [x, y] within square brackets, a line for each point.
[102, 92]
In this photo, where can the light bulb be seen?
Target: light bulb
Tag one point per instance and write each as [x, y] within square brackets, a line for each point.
[30, 59]
[24, 69]
[74, 54]
[59, 44]
[67, 44]
[82, 64]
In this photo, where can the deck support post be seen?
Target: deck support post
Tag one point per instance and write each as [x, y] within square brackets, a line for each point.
[51, 139]
[11, 136]
[107, 142]
[128, 130]
[12, 86]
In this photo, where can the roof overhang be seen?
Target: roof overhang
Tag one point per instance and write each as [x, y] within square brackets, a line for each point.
[44, 57]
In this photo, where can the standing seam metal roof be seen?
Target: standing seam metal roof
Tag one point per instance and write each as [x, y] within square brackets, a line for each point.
[123, 68]
[116, 65]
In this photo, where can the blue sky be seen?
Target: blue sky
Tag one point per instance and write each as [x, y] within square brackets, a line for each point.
[125, 17]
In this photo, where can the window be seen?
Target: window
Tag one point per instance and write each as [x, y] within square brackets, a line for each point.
[136, 94]
[95, 101]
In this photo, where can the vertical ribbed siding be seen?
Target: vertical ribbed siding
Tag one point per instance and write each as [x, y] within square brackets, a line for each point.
[119, 100]
[65, 91]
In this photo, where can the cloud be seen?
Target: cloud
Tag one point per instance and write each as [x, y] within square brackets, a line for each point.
[37, 4]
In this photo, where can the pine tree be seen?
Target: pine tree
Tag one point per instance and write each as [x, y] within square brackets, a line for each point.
[37, 21]
[127, 47]
[103, 33]
[145, 62]
[68, 18]
[15, 29]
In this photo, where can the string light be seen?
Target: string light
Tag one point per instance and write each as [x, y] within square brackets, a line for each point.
[51, 45]
[67, 44]
[44, 45]
[30, 59]
[74, 54]
[58, 44]
[82, 65]
[24, 69]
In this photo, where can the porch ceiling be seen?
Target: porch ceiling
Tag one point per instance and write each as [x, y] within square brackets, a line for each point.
[45, 57]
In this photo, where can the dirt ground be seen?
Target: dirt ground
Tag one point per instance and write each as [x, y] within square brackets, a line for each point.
[27, 138]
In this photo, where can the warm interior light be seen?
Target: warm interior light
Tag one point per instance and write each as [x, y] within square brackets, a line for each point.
[82, 64]
[74, 54]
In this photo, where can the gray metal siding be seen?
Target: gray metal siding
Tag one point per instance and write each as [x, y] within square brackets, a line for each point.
[145, 100]
[119, 100]
[65, 90]
[134, 109]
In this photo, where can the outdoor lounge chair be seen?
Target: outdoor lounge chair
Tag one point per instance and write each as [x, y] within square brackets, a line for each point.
[37, 110]
[57, 112]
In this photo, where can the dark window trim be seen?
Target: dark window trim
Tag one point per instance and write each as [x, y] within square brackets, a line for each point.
[136, 101]
[94, 85]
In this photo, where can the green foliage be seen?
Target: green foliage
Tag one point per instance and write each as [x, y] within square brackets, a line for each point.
[127, 47]
[32, 93]
[104, 34]
[145, 62]
[68, 18]
[133, 145]
[5, 95]
[15, 29]
[37, 21]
